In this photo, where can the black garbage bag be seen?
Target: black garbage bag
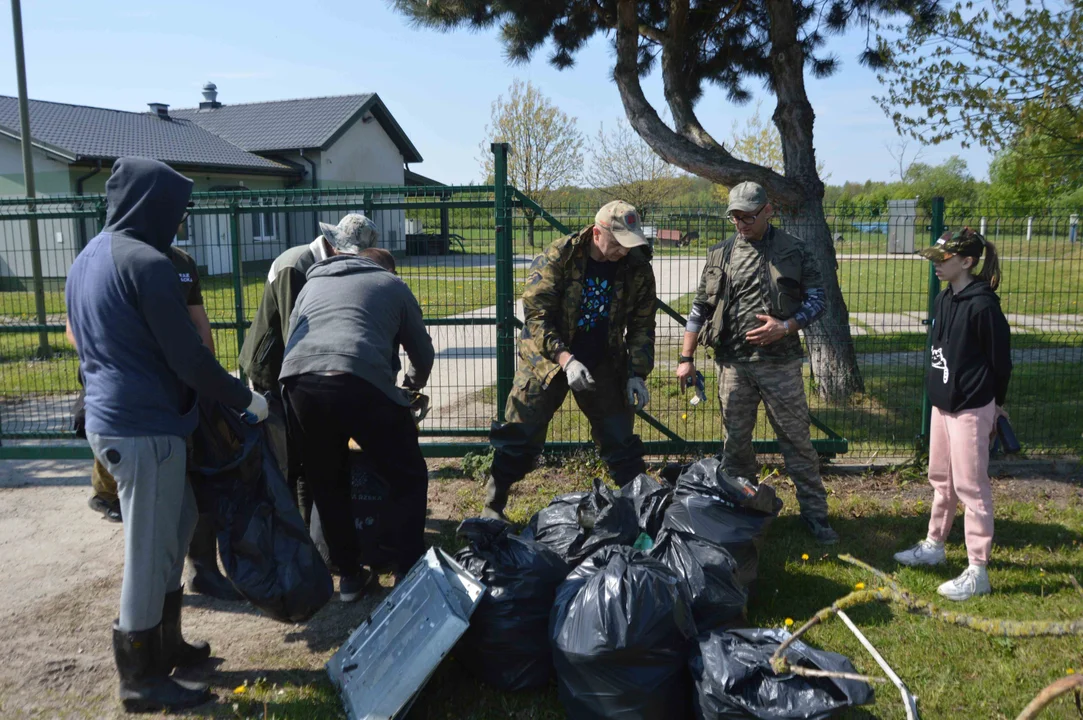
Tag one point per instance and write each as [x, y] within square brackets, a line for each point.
[264, 545]
[727, 511]
[556, 525]
[373, 515]
[734, 679]
[707, 477]
[709, 571]
[622, 631]
[507, 643]
[579, 524]
[650, 498]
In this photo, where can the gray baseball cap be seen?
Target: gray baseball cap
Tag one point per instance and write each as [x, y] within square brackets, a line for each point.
[747, 197]
[353, 233]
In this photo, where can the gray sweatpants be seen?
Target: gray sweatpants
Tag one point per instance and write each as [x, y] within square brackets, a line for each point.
[159, 511]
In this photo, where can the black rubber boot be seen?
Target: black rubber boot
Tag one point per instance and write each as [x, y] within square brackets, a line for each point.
[496, 499]
[145, 685]
[206, 578]
[177, 653]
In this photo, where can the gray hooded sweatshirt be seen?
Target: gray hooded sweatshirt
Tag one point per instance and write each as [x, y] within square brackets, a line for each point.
[350, 318]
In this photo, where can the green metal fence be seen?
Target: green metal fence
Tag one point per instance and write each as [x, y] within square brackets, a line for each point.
[465, 252]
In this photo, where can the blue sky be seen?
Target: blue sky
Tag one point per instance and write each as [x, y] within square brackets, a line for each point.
[125, 53]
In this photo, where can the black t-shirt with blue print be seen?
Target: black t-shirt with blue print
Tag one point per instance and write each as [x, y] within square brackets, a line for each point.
[592, 327]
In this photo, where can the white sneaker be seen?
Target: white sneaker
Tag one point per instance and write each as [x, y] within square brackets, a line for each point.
[973, 581]
[925, 552]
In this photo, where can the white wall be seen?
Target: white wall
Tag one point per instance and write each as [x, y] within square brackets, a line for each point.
[56, 237]
[366, 155]
[51, 176]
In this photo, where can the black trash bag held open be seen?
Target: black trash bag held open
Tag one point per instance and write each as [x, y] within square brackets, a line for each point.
[263, 542]
[730, 512]
[650, 499]
[709, 571]
[734, 679]
[579, 524]
[507, 643]
[622, 630]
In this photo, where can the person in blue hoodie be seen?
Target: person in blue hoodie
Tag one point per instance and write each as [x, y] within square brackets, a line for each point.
[144, 366]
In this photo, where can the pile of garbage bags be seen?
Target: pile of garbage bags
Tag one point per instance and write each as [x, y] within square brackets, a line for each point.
[635, 599]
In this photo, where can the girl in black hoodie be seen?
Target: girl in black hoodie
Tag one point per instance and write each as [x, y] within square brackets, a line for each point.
[967, 381]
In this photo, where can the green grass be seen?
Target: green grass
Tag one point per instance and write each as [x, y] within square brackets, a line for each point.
[956, 673]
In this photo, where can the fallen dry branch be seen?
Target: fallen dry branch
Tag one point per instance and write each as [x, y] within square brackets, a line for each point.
[895, 594]
[813, 672]
[1051, 692]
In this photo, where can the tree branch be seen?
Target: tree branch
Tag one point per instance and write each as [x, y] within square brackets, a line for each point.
[1051, 692]
[675, 79]
[713, 164]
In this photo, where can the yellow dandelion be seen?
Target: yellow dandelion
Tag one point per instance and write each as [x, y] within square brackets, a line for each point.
[1071, 671]
[240, 690]
[684, 416]
[1041, 573]
[789, 622]
[859, 586]
[804, 556]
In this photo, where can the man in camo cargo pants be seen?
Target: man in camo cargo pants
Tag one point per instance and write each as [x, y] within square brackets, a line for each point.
[756, 291]
[589, 305]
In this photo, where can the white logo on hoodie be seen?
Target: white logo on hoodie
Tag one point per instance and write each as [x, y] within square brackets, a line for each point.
[939, 363]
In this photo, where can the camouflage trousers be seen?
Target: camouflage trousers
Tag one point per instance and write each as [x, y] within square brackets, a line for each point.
[103, 483]
[519, 440]
[741, 387]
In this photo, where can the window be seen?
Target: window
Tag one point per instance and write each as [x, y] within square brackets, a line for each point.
[264, 224]
[184, 232]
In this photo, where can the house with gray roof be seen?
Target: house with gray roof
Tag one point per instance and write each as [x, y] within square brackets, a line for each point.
[323, 142]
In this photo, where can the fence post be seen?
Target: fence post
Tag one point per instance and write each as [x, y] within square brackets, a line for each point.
[505, 285]
[238, 288]
[933, 291]
[28, 181]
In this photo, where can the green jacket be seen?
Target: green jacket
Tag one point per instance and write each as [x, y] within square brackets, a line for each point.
[554, 289]
[265, 342]
[791, 281]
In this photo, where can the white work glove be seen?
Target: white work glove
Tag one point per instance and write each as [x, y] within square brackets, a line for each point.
[579, 378]
[636, 388]
[258, 407]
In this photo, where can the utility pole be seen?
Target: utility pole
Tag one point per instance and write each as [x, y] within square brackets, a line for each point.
[28, 175]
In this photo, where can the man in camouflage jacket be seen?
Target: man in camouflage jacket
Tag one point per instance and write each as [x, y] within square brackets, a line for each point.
[757, 290]
[590, 305]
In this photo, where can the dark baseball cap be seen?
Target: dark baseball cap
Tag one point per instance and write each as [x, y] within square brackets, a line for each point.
[966, 242]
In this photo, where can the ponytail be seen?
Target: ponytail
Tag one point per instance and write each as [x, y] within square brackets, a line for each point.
[990, 267]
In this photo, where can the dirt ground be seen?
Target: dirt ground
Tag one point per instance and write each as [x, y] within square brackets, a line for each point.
[60, 565]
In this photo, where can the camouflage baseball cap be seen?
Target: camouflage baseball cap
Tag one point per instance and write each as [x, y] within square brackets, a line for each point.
[966, 242]
[747, 197]
[621, 219]
[353, 233]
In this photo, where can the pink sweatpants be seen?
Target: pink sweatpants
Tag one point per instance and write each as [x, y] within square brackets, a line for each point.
[959, 470]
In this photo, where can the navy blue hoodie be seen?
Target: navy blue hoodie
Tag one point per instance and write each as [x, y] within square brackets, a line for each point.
[141, 355]
[971, 359]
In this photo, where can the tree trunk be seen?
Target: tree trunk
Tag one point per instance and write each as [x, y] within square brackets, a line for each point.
[530, 218]
[830, 347]
[798, 194]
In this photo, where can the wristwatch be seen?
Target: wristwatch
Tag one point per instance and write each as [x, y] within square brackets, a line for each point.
[685, 358]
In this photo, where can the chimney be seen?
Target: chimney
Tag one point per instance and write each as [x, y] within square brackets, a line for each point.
[160, 109]
[210, 97]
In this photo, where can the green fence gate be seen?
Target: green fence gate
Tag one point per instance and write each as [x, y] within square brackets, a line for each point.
[465, 252]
